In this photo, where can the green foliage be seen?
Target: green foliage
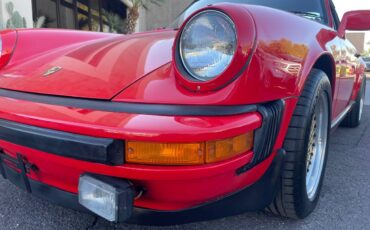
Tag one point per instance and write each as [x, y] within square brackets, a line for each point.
[366, 53]
[115, 22]
[145, 3]
[15, 19]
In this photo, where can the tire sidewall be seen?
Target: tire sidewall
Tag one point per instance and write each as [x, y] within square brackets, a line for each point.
[352, 119]
[307, 205]
[358, 100]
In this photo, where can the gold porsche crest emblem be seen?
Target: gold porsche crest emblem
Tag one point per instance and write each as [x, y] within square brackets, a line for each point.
[52, 71]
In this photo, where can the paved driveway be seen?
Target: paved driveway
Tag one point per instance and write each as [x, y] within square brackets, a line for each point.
[344, 203]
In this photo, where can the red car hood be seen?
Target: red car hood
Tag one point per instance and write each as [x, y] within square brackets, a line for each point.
[98, 68]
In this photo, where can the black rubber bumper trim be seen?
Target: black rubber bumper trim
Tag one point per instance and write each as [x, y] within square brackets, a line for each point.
[43, 191]
[135, 108]
[253, 198]
[265, 137]
[92, 149]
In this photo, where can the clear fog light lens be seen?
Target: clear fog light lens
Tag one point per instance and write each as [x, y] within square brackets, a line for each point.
[113, 201]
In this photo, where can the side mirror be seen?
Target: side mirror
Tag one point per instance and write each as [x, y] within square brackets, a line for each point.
[354, 20]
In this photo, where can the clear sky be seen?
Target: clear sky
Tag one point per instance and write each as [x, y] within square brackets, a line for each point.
[343, 6]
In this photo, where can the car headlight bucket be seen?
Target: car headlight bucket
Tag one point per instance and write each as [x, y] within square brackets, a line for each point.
[207, 44]
[214, 47]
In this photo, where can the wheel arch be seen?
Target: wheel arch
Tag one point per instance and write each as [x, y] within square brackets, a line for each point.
[326, 63]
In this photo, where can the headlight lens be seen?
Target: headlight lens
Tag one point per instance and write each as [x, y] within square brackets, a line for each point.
[207, 44]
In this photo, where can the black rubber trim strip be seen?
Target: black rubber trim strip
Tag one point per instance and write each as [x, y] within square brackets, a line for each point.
[135, 108]
[43, 191]
[92, 149]
[252, 198]
[265, 137]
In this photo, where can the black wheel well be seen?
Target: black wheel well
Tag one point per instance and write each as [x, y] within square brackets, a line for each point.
[326, 63]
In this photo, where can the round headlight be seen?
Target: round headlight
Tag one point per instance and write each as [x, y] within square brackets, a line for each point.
[207, 44]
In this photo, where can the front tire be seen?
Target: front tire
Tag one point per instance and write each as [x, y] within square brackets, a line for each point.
[306, 144]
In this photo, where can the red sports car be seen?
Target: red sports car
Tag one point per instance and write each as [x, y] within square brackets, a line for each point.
[228, 110]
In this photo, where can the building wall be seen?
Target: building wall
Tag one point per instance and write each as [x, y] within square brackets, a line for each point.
[154, 17]
[161, 16]
[358, 40]
[24, 9]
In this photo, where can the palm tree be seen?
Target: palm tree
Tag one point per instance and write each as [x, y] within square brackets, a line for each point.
[134, 12]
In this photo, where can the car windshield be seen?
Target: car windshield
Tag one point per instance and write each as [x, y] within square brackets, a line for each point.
[312, 9]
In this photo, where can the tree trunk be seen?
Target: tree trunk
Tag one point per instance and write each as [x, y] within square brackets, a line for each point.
[132, 18]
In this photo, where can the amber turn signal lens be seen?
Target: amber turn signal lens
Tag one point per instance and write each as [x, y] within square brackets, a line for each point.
[164, 153]
[225, 149]
[198, 153]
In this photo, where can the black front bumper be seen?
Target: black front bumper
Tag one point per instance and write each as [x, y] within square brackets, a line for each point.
[255, 197]
[111, 151]
[86, 148]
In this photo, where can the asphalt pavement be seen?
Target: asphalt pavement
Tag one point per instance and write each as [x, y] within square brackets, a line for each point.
[344, 202]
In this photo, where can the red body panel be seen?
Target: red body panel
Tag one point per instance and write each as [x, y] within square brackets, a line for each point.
[280, 65]
[139, 68]
[97, 68]
[161, 182]
[7, 44]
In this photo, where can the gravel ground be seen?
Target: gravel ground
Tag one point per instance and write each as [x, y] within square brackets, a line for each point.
[344, 200]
